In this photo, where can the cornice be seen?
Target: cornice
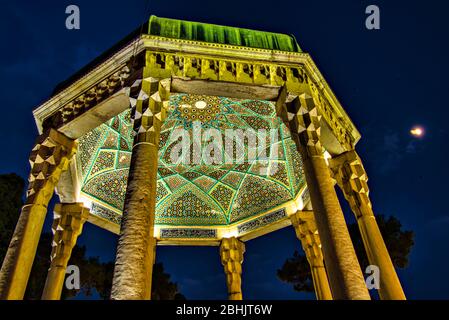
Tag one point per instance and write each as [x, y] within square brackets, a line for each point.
[86, 82]
[189, 47]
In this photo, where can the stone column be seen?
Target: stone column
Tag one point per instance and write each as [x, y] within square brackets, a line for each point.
[345, 276]
[49, 157]
[307, 233]
[231, 253]
[136, 246]
[351, 176]
[67, 226]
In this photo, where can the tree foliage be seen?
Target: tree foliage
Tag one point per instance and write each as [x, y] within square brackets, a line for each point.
[296, 270]
[11, 190]
[96, 276]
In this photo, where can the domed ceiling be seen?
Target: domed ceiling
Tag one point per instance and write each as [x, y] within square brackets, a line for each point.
[196, 192]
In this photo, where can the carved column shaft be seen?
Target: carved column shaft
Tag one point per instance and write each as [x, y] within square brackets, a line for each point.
[231, 253]
[67, 226]
[137, 245]
[344, 271]
[351, 176]
[307, 233]
[49, 157]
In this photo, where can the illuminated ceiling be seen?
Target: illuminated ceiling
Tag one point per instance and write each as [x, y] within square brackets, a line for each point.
[195, 194]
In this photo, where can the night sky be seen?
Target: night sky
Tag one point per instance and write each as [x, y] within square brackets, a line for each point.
[387, 80]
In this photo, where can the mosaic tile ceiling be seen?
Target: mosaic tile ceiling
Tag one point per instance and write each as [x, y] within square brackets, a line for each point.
[192, 191]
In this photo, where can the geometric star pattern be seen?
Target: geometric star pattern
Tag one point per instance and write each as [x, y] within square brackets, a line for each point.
[191, 191]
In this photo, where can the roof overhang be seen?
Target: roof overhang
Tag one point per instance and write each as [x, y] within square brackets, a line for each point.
[117, 64]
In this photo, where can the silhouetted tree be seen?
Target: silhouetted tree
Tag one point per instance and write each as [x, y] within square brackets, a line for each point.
[162, 287]
[296, 270]
[11, 191]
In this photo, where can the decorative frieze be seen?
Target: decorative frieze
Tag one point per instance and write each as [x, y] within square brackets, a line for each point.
[305, 196]
[106, 213]
[298, 74]
[294, 76]
[163, 64]
[188, 233]
[340, 127]
[88, 99]
[262, 221]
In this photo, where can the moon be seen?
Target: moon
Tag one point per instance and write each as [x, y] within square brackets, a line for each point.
[417, 131]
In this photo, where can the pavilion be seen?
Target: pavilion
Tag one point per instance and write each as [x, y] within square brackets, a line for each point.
[106, 146]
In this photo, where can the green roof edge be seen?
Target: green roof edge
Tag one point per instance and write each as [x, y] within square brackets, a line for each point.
[205, 32]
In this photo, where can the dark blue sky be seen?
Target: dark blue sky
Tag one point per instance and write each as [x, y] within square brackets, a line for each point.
[387, 80]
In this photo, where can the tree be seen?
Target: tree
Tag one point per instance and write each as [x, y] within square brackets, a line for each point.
[95, 275]
[163, 288]
[296, 270]
[11, 191]
[399, 242]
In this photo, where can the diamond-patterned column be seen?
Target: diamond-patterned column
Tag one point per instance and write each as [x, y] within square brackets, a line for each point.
[137, 246]
[67, 226]
[348, 171]
[345, 276]
[307, 233]
[231, 253]
[49, 157]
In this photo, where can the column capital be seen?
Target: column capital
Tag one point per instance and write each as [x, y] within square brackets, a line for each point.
[303, 119]
[231, 253]
[307, 232]
[149, 103]
[347, 169]
[49, 157]
[345, 275]
[67, 226]
[136, 249]
[231, 249]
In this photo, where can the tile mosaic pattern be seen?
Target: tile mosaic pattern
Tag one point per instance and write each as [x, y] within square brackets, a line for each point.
[196, 194]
